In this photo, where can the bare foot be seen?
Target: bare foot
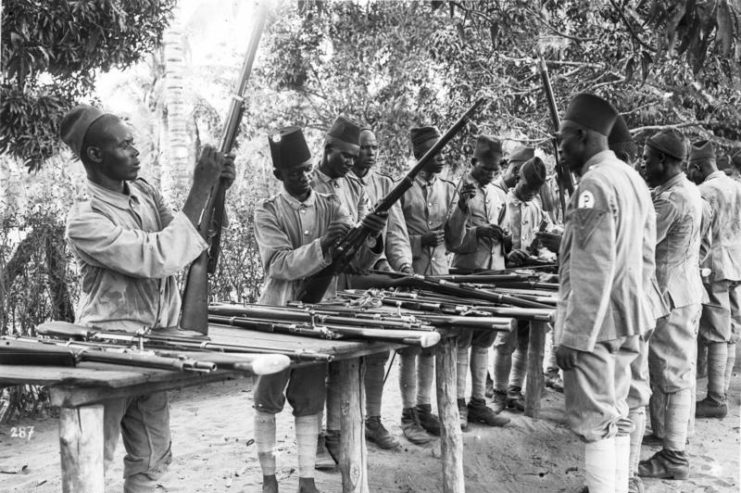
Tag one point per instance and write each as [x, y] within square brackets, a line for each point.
[269, 484]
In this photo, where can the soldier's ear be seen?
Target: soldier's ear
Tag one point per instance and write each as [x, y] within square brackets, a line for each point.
[94, 154]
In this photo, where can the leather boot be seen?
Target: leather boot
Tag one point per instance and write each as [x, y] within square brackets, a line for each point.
[515, 399]
[499, 401]
[710, 408]
[665, 464]
[429, 421]
[411, 428]
[377, 433]
[478, 412]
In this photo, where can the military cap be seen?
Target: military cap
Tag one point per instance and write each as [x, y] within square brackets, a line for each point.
[592, 112]
[344, 134]
[702, 151]
[75, 125]
[288, 148]
[521, 154]
[421, 135]
[534, 171]
[487, 149]
[670, 142]
[621, 142]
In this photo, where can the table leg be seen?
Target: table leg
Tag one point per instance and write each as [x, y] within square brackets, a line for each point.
[535, 380]
[451, 440]
[81, 448]
[353, 452]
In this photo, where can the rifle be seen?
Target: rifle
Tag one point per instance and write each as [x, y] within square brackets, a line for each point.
[24, 351]
[563, 175]
[166, 342]
[194, 313]
[314, 288]
[409, 337]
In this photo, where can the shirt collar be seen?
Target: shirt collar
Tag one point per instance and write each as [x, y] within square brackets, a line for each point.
[600, 157]
[513, 199]
[424, 183]
[670, 182]
[296, 203]
[322, 177]
[116, 199]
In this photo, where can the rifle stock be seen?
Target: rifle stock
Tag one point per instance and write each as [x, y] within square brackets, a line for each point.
[314, 288]
[194, 312]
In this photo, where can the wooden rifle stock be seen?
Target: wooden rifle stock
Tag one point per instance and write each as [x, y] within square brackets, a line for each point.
[563, 175]
[194, 312]
[314, 288]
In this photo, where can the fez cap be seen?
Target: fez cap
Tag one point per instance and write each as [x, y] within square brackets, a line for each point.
[344, 134]
[670, 142]
[420, 135]
[75, 125]
[620, 141]
[592, 112]
[521, 154]
[702, 151]
[288, 148]
[534, 172]
[487, 149]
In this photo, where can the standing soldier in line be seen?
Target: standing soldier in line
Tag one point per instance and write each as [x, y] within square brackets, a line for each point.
[296, 232]
[332, 176]
[524, 218]
[480, 248]
[673, 345]
[720, 255]
[397, 256]
[603, 306]
[431, 227]
[129, 246]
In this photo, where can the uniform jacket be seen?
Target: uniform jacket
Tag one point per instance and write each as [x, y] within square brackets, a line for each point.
[607, 257]
[723, 243]
[678, 207]
[484, 208]
[347, 188]
[398, 252]
[287, 233]
[523, 219]
[129, 248]
[425, 206]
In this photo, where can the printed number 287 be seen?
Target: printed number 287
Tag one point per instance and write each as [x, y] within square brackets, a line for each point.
[22, 432]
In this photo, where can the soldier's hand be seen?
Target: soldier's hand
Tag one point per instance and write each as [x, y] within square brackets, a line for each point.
[334, 234]
[228, 174]
[468, 191]
[375, 222]
[566, 357]
[490, 232]
[433, 238]
[517, 257]
[208, 168]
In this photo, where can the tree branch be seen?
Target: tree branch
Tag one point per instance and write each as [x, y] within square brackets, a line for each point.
[656, 128]
[633, 34]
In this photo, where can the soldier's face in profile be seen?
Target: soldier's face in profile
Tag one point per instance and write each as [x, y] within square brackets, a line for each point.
[571, 145]
[694, 173]
[485, 170]
[653, 166]
[340, 161]
[295, 179]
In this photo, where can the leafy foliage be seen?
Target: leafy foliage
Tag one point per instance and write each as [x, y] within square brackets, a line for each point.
[51, 51]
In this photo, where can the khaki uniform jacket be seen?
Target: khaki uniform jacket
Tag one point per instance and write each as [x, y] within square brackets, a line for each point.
[347, 188]
[398, 252]
[287, 233]
[523, 219]
[678, 207]
[484, 208]
[607, 257]
[425, 206]
[129, 248]
[723, 244]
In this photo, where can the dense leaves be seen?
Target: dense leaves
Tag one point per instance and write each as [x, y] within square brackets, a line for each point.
[51, 51]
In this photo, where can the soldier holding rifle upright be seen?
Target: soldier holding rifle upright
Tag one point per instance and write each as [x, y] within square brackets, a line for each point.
[431, 228]
[480, 248]
[296, 232]
[130, 246]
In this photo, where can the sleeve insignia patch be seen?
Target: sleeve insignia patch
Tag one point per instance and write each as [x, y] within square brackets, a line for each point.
[586, 200]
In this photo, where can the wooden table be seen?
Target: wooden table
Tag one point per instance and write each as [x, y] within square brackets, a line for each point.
[80, 393]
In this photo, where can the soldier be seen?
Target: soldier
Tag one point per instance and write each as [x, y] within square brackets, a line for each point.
[511, 170]
[480, 248]
[129, 246]
[397, 256]
[603, 308]
[332, 176]
[720, 254]
[524, 218]
[673, 345]
[296, 231]
[431, 227]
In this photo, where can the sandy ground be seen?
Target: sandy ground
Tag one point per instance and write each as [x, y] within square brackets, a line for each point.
[212, 435]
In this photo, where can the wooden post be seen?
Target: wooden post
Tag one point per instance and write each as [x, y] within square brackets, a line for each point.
[535, 380]
[353, 452]
[451, 441]
[81, 448]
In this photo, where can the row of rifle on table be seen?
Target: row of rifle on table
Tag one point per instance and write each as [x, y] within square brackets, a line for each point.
[389, 312]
